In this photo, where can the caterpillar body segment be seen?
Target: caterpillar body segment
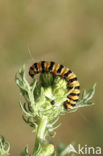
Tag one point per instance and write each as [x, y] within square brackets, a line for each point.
[63, 72]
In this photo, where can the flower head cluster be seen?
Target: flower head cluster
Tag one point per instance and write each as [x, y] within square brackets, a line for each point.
[44, 97]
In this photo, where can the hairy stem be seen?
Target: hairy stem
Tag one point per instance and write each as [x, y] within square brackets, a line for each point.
[40, 135]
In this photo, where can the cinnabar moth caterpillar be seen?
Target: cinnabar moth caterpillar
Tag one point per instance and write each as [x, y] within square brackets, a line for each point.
[59, 70]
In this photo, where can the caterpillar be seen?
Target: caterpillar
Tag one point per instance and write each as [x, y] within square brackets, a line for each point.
[63, 72]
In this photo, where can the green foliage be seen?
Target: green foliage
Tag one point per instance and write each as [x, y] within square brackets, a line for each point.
[4, 147]
[42, 108]
[41, 114]
[63, 150]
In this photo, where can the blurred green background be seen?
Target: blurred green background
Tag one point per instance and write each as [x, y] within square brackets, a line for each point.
[68, 32]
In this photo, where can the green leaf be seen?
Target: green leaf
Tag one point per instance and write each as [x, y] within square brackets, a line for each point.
[22, 72]
[26, 151]
[4, 147]
[90, 93]
[34, 84]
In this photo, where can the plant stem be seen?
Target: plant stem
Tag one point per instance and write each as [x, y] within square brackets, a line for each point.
[40, 135]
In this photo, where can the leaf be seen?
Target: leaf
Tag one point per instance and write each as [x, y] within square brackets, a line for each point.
[72, 110]
[90, 93]
[22, 72]
[25, 112]
[55, 127]
[34, 84]
[70, 91]
[4, 146]
[26, 151]
[54, 121]
[52, 134]
[84, 94]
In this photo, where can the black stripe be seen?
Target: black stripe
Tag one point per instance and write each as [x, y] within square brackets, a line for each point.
[32, 75]
[73, 105]
[43, 66]
[73, 99]
[65, 105]
[71, 80]
[31, 68]
[37, 69]
[75, 94]
[66, 74]
[77, 87]
[51, 65]
[60, 68]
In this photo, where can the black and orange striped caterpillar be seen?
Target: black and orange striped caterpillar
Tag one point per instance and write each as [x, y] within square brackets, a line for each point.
[63, 72]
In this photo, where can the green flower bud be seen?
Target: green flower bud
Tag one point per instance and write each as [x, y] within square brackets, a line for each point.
[47, 149]
[46, 79]
[59, 83]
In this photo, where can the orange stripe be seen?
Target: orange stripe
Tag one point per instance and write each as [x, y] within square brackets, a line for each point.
[77, 91]
[70, 76]
[74, 84]
[69, 106]
[34, 68]
[72, 102]
[73, 97]
[47, 66]
[65, 71]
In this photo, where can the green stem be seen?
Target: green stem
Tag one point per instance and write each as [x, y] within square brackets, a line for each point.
[40, 135]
